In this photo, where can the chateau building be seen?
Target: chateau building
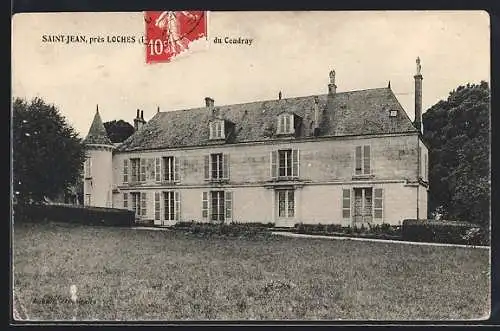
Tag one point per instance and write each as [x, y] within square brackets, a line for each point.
[340, 157]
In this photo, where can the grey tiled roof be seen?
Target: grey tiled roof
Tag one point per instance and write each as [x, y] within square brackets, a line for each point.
[347, 113]
[97, 133]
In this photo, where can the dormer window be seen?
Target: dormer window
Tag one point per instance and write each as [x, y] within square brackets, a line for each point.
[286, 124]
[217, 130]
[393, 113]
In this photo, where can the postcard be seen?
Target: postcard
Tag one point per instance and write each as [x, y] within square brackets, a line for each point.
[200, 165]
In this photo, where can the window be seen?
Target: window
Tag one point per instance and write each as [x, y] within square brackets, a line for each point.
[217, 130]
[125, 200]
[362, 160]
[139, 203]
[125, 171]
[363, 207]
[286, 124]
[217, 203]
[217, 206]
[285, 163]
[170, 169]
[286, 203]
[87, 199]
[217, 166]
[135, 165]
[88, 165]
[393, 113]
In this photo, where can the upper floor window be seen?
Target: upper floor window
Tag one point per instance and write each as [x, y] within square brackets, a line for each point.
[217, 129]
[286, 124]
[285, 163]
[135, 165]
[170, 169]
[363, 166]
[88, 165]
[216, 166]
[393, 113]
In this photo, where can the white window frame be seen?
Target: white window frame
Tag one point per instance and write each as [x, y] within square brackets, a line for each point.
[286, 124]
[168, 168]
[217, 129]
[363, 160]
[285, 193]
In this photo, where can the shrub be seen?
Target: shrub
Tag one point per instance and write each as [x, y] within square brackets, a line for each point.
[442, 231]
[74, 214]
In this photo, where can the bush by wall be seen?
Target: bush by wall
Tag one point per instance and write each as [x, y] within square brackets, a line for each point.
[443, 232]
[74, 214]
[233, 229]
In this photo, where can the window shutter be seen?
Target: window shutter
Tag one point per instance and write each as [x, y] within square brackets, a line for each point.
[177, 200]
[225, 166]
[176, 169]
[425, 167]
[295, 163]
[143, 169]
[207, 167]
[211, 128]
[274, 164]
[358, 160]
[378, 209]
[367, 160]
[143, 204]
[125, 200]
[228, 200]
[346, 204]
[158, 169]
[157, 206]
[125, 171]
[204, 208]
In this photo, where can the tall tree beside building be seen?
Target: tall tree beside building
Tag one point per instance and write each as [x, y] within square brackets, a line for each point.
[457, 131]
[48, 155]
[118, 131]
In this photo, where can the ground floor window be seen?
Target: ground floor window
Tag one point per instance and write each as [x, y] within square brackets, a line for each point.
[367, 204]
[87, 199]
[169, 206]
[139, 203]
[217, 206]
[286, 203]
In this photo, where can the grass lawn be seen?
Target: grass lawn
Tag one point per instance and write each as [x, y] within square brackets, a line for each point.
[126, 274]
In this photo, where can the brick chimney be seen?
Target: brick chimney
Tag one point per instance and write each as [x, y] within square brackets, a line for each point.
[209, 103]
[332, 88]
[139, 120]
[418, 97]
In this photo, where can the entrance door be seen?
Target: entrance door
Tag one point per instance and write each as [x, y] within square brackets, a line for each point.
[363, 206]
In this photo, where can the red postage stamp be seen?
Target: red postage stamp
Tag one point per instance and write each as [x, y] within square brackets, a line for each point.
[170, 33]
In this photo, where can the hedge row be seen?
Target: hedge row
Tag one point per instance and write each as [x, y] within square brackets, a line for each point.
[444, 232]
[382, 231]
[233, 229]
[74, 214]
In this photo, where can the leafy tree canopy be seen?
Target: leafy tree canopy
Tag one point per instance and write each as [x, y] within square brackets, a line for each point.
[118, 131]
[457, 131]
[48, 155]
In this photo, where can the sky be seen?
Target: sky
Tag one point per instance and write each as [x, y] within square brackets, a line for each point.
[291, 52]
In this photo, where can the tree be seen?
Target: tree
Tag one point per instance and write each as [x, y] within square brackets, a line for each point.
[48, 155]
[118, 131]
[457, 133]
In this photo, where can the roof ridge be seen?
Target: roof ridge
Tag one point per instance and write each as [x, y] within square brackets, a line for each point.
[269, 100]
